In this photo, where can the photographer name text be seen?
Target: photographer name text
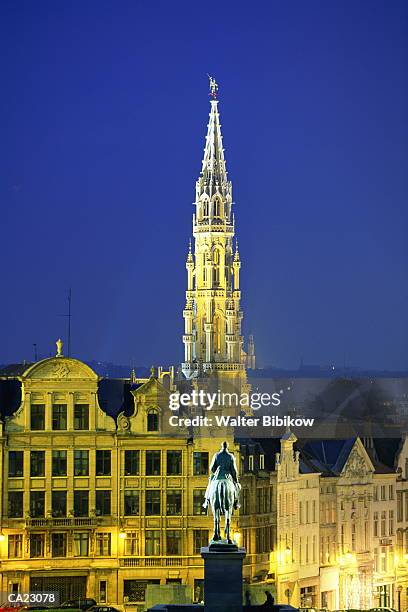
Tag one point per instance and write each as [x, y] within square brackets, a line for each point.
[240, 421]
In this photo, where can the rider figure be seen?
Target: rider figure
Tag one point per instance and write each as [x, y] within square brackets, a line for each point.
[223, 467]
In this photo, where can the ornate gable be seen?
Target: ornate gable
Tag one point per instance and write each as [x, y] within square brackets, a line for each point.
[358, 464]
[60, 368]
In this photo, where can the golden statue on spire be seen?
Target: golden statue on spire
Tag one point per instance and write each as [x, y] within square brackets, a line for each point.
[213, 87]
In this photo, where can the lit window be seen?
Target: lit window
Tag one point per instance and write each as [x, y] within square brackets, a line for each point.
[152, 542]
[103, 544]
[81, 544]
[132, 543]
[15, 546]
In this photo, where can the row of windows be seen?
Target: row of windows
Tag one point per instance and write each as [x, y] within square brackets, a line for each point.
[204, 209]
[131, 507]
[59, 463]
[380, 526]
[350, 541]
[328, 550]
[307, 512]
[59, 421]
[328, 512]
[383, 559]
[81, 543]
[59, 418]
[380, 492]
[354, 503]
[263, 500]
[103, 463]
[307, 550]
[254, 462]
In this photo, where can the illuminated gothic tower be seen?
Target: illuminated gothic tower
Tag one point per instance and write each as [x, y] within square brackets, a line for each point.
[212, 315]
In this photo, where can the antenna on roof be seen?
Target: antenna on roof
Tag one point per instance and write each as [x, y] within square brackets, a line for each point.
[69, 322]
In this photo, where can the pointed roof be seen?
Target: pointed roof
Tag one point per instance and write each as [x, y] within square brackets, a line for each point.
[213, 175]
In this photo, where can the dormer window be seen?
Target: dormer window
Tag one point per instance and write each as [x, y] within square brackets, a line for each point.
[152, 421]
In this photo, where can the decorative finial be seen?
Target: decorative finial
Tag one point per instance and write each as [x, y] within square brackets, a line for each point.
[189, 255]
[59, 344]
[152, 372]
[213, 87]
[236, 256]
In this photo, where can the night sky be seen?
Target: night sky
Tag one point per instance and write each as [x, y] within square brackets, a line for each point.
[104, 107]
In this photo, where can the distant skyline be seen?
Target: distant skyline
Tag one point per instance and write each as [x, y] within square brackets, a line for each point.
[104, 110]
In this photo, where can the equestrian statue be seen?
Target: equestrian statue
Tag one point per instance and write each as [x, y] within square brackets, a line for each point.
[223, 491]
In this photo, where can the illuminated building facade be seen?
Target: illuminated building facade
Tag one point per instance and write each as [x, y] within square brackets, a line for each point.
[101, 497]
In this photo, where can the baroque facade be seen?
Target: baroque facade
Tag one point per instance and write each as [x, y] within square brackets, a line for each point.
[101, 498]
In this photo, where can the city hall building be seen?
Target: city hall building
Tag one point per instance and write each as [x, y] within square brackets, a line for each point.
[101, 497]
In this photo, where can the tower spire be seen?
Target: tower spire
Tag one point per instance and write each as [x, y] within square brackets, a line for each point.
[212, 315]
[213, 176]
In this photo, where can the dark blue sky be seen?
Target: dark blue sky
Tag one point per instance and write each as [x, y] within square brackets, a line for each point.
[104, 109]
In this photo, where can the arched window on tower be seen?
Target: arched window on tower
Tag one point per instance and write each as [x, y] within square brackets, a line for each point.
[217, 208]
[205, 208]
[204, 269]
[217, 334]
[216, 269]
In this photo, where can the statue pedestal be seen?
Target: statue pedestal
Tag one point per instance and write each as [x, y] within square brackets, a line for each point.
[223, 577]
